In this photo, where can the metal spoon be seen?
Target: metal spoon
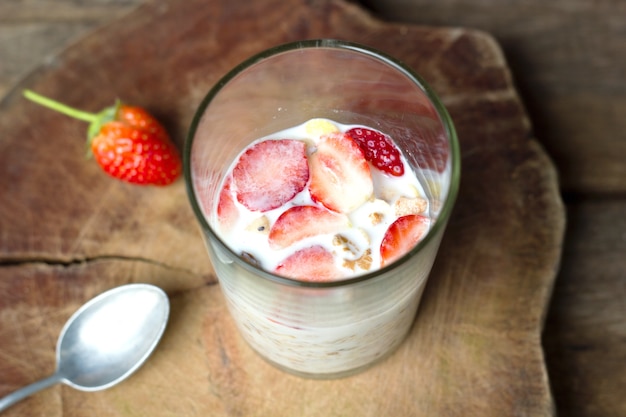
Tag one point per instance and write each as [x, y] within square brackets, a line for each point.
[106, 340]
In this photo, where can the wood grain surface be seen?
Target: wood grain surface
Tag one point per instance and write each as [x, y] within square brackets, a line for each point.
[583, 333]
[569, 64]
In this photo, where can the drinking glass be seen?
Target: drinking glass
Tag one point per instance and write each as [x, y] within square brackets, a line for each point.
[322, 329]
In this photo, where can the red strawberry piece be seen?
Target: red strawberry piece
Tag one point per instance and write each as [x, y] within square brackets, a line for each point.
[311, 264]
[134, 155]
[126, 141]
[340, 176]
[402, 236]
[270, 173]
[379, 149]
[227, 213]
[300, 222]
[140, 119]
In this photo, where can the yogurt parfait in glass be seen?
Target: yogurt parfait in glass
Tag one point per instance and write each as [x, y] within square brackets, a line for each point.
[322, 174]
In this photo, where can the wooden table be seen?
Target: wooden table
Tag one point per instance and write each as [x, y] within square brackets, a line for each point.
[569, 64]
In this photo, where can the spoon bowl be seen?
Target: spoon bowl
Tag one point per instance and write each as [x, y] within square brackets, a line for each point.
[105, 340]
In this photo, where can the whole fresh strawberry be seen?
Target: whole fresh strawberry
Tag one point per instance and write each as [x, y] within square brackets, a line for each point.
[127, 142]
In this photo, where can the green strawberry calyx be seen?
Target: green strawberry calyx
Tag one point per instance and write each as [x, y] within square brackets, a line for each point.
[95, 120]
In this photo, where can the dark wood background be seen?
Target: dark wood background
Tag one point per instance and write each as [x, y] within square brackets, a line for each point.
[569, 62]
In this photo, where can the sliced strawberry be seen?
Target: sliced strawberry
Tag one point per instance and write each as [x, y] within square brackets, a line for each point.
[340, 176]
[379, 149]
[310, 264]
[270, 173]
[401, 236]
[300, 222]
[227, 213]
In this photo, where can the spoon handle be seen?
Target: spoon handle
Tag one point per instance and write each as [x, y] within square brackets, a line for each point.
[28, 390]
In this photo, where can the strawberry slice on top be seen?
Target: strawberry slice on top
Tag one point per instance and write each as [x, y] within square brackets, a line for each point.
[300, 222]
[310, 264]
[340, 176]
[270, 173]
[227, 212]
[379, 149]
[401, 236]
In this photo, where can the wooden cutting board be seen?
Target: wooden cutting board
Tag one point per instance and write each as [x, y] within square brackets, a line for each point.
[68, 232]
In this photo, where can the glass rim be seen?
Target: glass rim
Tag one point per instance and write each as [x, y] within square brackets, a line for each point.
[446, 120]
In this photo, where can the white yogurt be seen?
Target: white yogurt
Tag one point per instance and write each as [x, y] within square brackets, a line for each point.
[363, 233]
[325, 332]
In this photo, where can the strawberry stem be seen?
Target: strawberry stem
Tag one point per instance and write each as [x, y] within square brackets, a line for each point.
[60, 107]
